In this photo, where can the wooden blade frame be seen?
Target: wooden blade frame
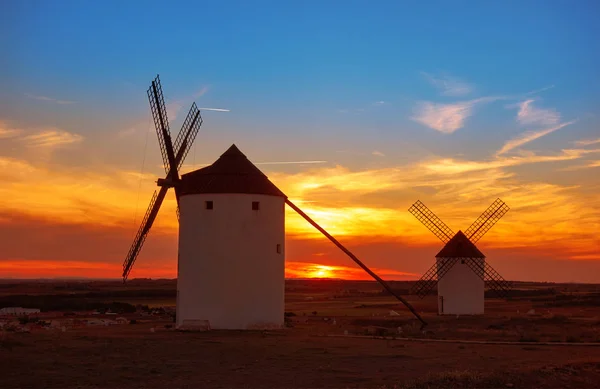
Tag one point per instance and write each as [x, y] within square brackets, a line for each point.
[431, 221]
[487, 273]
[172, 162]
[161, 123]
[142, 233]
[486, 220]
[358, 261]
[429, 280]
[187, 134]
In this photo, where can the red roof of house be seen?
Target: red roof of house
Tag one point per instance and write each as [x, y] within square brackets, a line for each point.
[460, 247]
[231, 173]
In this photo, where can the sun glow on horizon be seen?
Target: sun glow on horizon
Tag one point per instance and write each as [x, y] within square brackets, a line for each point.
[317, 270]
[320, 271]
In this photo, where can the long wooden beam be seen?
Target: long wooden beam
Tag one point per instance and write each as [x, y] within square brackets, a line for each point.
[385, 285]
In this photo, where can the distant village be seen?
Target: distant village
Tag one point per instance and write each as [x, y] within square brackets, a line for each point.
[20, 319]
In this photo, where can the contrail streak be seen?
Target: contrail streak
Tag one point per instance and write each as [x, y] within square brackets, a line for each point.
[287, 162]
[264, 163]
[215, 109]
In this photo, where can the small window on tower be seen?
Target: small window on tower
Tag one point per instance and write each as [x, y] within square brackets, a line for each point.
[255, 205]
[209, 205]
[278, 249]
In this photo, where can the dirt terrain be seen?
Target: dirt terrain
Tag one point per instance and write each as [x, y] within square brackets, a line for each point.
[339, 335]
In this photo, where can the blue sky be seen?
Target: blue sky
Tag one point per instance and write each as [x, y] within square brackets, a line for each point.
[509, 90]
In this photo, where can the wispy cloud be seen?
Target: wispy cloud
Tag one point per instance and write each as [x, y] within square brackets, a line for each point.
[454, 166]
[50, 99]
[127, 132]
[446, 118]
[7, 132]
[378, 153]
[529, 136]
[173, 109]
[530, 115]
[586, 142]
[201, 92]
[546, 120]
[449, 86]
[365, 108]
[536, 91]
[589, 165]
[48, 137]
[51, 138]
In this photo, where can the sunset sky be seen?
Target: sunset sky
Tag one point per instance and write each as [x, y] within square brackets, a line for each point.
[354, 109]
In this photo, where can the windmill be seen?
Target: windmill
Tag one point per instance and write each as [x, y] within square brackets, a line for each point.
[460, 270]
[231, 254]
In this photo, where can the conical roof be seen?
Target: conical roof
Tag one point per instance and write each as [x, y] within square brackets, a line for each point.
[460, 247]
[231, 173]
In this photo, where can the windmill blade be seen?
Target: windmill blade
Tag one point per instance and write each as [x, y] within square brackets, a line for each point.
[487, 273]
[428, 281]
[161, 122]
[187, 134]
[140, 237]
[358, 261]
[487, 220]
[431, 221]
[496, 282]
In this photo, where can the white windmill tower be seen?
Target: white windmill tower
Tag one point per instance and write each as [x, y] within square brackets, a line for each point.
[231, 261]
[460, 269]
[231, 246]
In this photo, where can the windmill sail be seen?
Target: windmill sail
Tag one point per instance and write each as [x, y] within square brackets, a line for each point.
[187, 134]
[486, 272]
[161, 123]
[172, 162]
[431, 221]
[142, 233]
[429, 280]
[486, 220]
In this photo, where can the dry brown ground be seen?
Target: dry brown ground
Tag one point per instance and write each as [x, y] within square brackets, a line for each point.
[305, 357]
[132, 356]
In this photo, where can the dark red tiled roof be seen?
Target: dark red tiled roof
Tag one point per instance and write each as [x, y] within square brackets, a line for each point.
[460, 247]
[231, 173]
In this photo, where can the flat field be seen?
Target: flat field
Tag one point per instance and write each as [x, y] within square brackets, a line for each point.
[340, 335]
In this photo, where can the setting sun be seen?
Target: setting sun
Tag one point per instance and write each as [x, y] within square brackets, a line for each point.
[320, 271]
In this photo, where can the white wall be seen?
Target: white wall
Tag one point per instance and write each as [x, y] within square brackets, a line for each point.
[229, 270]
[462, 291]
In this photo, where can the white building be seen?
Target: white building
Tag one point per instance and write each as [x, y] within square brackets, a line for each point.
[461, 289]
[231, 261]
[18, 311]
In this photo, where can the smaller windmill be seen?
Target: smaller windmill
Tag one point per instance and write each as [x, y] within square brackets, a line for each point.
[460, 270]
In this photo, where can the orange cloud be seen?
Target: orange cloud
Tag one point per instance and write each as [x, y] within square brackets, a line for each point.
[362, 207]
[50, 269]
